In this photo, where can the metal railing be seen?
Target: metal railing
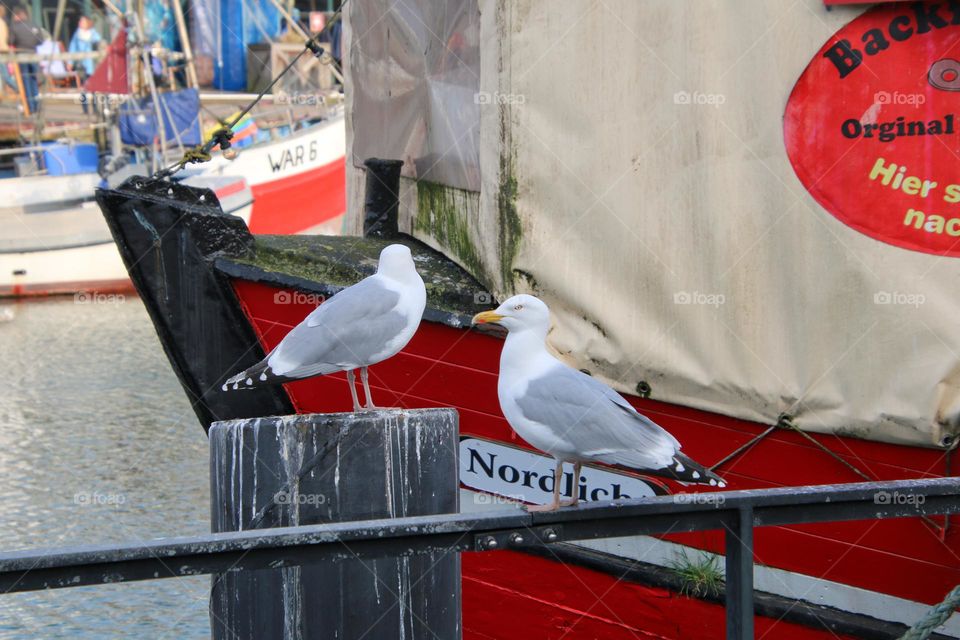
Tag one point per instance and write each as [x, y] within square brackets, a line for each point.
[736, 512]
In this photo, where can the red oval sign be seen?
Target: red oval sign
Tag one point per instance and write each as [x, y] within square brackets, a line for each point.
[872, 125]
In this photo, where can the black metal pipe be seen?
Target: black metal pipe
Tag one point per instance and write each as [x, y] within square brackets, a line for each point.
[382, 201]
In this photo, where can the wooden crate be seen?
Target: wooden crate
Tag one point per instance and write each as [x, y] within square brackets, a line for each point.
[265, 61]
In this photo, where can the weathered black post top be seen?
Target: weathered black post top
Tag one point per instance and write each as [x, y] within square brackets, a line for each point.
[313, 469]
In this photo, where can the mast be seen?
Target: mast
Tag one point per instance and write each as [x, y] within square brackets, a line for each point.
[185, 41]
[148, 72]
[58, 21]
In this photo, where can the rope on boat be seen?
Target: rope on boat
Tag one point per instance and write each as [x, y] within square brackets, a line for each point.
[935, 617]
[744, 447]
[223, 135]
[786, 422]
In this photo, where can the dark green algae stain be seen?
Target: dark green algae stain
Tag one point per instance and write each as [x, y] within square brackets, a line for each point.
[442, 215]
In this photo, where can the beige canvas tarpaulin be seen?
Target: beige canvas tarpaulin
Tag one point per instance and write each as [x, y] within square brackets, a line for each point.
[633, 173]
[421, 61]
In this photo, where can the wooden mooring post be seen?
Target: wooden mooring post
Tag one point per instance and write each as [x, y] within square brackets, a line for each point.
[319, 468]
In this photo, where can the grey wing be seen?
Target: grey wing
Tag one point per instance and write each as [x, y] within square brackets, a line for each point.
[342, 333]
[596, 421]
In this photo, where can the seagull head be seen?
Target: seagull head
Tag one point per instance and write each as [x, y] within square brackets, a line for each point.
[517, 314]
[396, 261]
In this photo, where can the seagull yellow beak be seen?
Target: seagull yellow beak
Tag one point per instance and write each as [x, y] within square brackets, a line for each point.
[487, 317]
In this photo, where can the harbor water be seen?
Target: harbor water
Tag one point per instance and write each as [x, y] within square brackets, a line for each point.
[98, 444]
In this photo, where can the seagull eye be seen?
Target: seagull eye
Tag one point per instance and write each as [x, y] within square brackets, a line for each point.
[519, 307]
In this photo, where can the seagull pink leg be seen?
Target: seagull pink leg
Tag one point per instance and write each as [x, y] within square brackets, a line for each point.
[555, 504]
[366, 388]
[352, 380]
[572, 502]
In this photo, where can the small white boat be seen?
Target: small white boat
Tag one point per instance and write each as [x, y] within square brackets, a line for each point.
[45, 193]
[59, 242]
[55, 240]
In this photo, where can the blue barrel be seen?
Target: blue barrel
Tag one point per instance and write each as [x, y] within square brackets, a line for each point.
[67, 159]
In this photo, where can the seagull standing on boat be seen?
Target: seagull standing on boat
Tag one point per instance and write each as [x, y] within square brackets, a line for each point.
[360, 326]
[572, 416]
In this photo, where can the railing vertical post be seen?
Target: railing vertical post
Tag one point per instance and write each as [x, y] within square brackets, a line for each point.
[323, 468]
[739, 575]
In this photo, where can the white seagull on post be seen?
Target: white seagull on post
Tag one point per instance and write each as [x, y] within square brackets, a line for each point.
[572, 416]
[360, 326]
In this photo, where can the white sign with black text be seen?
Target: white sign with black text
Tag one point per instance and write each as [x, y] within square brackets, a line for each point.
[519, 474]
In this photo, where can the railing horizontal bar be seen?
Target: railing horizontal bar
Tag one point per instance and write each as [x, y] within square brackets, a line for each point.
[641, 525]
[272, 548]
[218, 561]
[862, 492]
[855, 510]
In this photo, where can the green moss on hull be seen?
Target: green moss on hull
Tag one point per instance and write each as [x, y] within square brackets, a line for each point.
[443, 213]
[531, 281]
[316, 258]
[342, 261]
[510, 226]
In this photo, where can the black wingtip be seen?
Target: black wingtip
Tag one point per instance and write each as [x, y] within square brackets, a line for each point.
[686, 469]
[681, 469]
[258, 375]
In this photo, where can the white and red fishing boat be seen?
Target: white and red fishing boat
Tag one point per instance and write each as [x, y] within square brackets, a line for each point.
[288, 178]
[298, 182]
[55, 240]
[746, 225]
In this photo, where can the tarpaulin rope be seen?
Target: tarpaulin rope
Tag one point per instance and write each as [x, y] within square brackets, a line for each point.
[223, 135]
[935, 617]
[744, 447]
[786, 422]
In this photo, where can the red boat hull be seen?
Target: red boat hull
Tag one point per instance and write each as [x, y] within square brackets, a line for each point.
[292, 204]
[551, 601]
[443, 366]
